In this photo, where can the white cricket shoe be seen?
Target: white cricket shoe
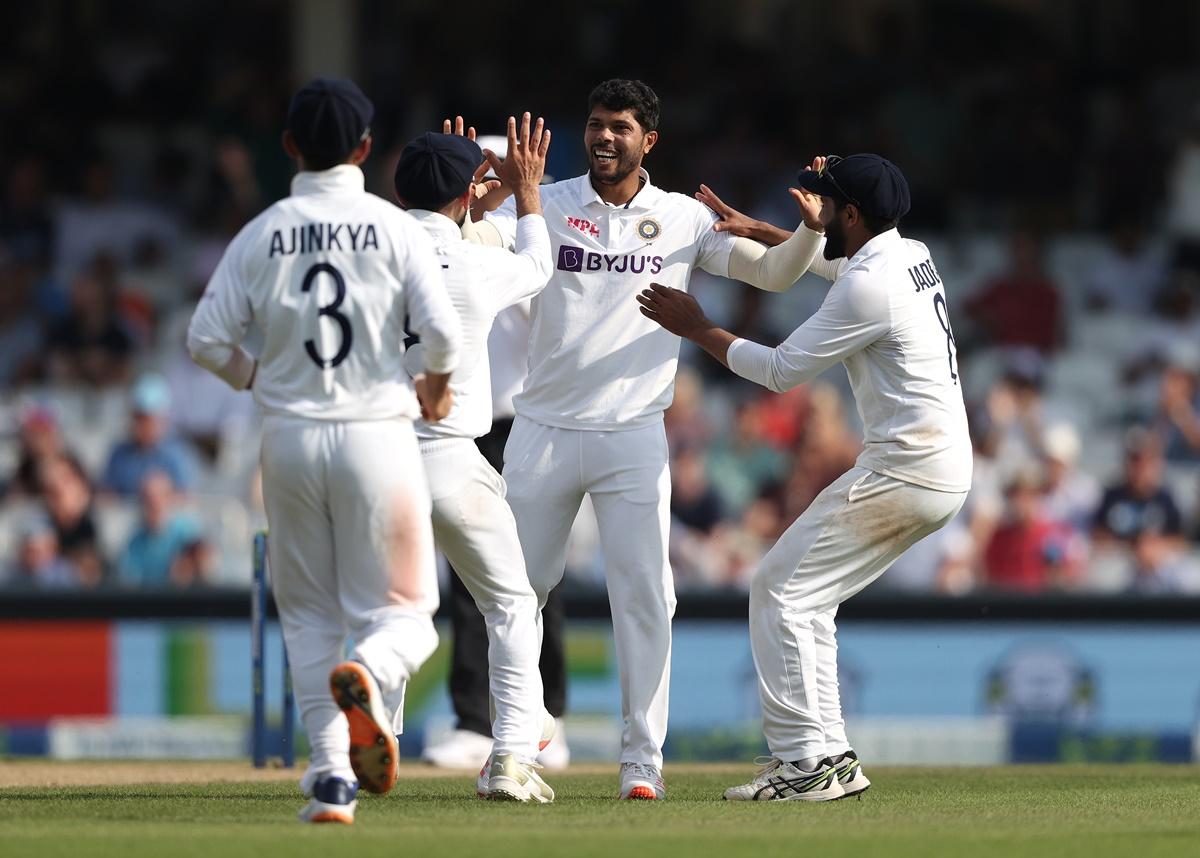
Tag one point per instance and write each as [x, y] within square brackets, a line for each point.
[374, 752]
[642, 782]
[550, 728]
[780, 781]
[462, 749]
[851, 775]
[331, 799]
[512, 779]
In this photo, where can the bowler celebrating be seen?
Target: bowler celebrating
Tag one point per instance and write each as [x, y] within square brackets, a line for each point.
[330, 274]
[886, 319]
[589, 419]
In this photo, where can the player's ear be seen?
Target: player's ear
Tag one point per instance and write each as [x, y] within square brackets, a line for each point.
[361, 151]
[290, 147]
[648, 143]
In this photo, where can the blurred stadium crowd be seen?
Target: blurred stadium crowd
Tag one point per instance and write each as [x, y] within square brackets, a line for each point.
[1058, 189]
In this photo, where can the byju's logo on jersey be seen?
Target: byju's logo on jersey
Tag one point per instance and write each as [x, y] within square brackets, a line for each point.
[572, 258]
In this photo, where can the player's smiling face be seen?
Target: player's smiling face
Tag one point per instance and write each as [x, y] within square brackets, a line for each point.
[616, 144]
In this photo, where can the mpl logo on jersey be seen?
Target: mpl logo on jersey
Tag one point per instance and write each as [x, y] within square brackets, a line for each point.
[584, 226]
[572, 258]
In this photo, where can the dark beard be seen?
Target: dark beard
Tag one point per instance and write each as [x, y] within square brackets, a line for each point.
[625, 166]
[835, 241]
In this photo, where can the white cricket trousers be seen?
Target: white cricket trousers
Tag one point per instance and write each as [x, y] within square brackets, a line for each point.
[351, 553]
[850, 534]
[474, 527]
[548, 471]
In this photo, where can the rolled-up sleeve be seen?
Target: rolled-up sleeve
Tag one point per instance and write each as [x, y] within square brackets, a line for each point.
[219, 324]
[855, 313]
[430, 312]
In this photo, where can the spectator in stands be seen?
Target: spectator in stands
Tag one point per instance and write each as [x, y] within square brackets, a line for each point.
[41, 441]
[1071, 496]
[1020, 307]
[1177, 422]
[20, 326]
[92, 344]
[1160, 565]
[1140, 503]
[1014, 418]
[1031, 552]
[739, 546]
[694, 503]
[741, 464]
[38, 562]
[68, 500]
[1128, 273]
[168, 547]
[100, 221]
[150, 447]
[825, 450]
[685, 422]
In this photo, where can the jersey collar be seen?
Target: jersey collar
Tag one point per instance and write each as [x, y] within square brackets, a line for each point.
[437, 224]
[878, 244]
[644, 199]
[344, 178]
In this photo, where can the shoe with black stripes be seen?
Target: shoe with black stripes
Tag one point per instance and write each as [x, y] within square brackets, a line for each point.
[780, 781]
[850, 774]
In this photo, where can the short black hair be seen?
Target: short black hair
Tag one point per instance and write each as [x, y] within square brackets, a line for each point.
[618, 94]
[874, 223]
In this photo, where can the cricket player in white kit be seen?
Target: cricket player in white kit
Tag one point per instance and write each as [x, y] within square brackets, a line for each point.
[472, 524]
[886, 319]
[589, 420]
[330, 275]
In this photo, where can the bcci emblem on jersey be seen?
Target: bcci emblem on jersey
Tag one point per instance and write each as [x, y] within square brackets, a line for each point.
[648, 229]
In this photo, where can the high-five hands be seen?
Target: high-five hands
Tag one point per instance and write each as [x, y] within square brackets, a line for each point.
[525, 163]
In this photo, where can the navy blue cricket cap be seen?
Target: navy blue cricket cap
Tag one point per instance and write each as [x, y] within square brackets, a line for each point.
[871, 182]
[329, 117]
[435, 168]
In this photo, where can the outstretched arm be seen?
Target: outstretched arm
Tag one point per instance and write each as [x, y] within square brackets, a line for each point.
[849, 320]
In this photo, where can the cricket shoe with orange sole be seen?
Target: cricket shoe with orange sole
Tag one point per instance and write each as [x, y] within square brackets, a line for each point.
[374, 753]
[642, 782]
[331, 799]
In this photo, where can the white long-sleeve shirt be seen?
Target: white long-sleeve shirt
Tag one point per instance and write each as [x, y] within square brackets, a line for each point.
[885, 317]
[330, 274]
[481, 282]
[595, 362]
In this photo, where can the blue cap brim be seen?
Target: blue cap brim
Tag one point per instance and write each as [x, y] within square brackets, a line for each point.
[814, 182]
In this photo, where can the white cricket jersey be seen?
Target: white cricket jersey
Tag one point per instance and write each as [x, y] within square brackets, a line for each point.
[508, 353]
[481, 281]
[595, 362]
[330, 274]
[886, 318]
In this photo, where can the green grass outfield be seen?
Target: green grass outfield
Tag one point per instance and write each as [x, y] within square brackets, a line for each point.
[1022, 811]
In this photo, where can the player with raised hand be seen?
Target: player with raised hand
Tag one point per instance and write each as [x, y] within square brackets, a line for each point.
[589, 419]
[885, 317]
[330, 274]
[435, 181]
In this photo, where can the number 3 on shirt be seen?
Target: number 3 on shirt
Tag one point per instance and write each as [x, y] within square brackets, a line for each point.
[943, 315]
[330, 310]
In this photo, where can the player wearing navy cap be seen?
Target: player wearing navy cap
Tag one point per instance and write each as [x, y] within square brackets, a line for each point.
[472, 523]
[885, 317]
[330, 273]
